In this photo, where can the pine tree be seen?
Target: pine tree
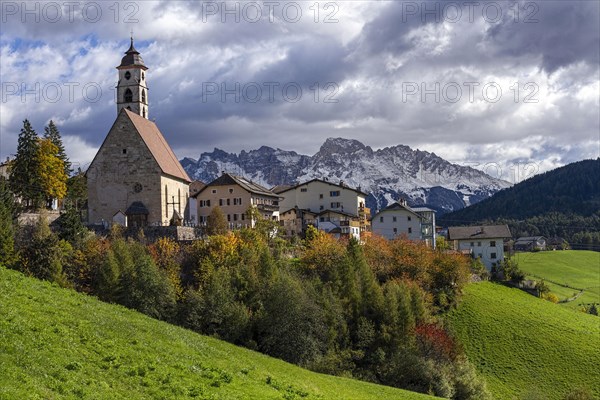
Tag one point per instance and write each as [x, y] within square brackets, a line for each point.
[7, 239]
[51, 133]
[25, 180]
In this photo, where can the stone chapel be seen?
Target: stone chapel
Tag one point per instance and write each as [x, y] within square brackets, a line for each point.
[135, 179]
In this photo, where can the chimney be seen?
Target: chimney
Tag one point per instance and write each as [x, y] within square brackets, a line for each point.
[341, 183]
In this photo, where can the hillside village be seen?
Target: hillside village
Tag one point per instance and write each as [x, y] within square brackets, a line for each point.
[306, 273]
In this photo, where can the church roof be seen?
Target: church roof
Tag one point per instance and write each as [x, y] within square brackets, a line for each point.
[158, 146]
[132, 57]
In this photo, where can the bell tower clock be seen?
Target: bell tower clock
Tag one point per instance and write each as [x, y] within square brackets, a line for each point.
[132, 92]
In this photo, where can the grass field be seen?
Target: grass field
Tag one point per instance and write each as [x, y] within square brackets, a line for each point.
[566, 272]
[525, 346]
[57, 343]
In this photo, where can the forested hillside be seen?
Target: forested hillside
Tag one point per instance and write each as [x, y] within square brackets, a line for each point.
[563, 202]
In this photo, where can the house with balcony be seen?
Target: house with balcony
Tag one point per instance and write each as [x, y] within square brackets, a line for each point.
[295, 221]
[332, 203]
[235, 195]
[400, 220]
[484, 242]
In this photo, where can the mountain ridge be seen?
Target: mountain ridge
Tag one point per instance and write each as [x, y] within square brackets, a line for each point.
[387, 174]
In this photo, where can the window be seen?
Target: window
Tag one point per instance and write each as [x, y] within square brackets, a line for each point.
[228, 217]
[143, 95]
[335, 205]
[127, 75]
[207, 203]
[322, 219]
[321, 207]
[304, 190]
[124, 151]
[479, 255]
[235, 217]
[128, 97]
[228, 202]
[409, 230]
[230, 190]
[321, 195]
[380, 219]
[143, 76]
[478, 244]
[395, 230]
[243, 217]
[214, 191]
[144, 113]
[409, 218]
[492, 243]
[472, 244]
[394, 219]
[334, 193]
[493, 256]
[220, 202]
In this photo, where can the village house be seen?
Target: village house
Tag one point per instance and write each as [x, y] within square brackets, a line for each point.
[484, 242]
[398, 219]
[294, 221]
[135, 179]
[530, 243]
[235, 195]
[339, 209]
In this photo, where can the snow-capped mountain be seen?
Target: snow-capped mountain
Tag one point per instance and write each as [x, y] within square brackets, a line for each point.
[386, 174]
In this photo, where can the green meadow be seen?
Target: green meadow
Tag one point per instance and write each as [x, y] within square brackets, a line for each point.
[526, 347]
[566, 272]
[59, 344]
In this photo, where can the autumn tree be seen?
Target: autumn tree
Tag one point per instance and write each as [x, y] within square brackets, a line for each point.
[25, 179]
[216, 223]
[53, 179]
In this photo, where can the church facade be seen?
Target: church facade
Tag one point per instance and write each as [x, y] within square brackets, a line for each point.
[135, 179]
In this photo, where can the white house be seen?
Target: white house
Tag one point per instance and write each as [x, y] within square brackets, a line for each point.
[484, 242]
[320, 195]
[396, 220]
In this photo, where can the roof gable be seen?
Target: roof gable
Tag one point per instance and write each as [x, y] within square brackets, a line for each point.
[478, 232]
[158, 146]
[247, 185]
[283, 190]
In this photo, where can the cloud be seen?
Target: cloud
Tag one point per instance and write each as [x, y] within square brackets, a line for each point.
[385, 73]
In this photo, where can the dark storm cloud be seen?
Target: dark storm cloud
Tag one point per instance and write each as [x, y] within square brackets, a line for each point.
[561, 32]
[373, 50]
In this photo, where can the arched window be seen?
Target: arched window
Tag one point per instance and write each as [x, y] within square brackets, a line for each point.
[144, 96]
[127, 75]
[128, 98]
[143, 76]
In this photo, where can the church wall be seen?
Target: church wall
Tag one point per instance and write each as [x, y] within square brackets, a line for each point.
[113, 175]
[180, 190]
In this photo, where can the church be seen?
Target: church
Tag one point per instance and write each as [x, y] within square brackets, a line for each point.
[135, 179]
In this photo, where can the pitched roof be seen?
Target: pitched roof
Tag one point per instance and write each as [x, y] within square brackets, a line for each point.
[248, 185]
[398, 206]
[158, 146]
[478, 232]
[327, 182]
[280, 188]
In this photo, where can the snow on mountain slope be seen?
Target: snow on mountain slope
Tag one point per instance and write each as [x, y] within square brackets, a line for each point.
[390, 173]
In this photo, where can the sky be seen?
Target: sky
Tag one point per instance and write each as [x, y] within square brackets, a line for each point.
[504, 86]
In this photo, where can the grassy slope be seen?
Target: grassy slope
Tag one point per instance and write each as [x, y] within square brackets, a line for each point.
[575, 268]
[522, 344]
[56, 343]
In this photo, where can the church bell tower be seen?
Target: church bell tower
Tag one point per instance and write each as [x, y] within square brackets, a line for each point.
[132, 92]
